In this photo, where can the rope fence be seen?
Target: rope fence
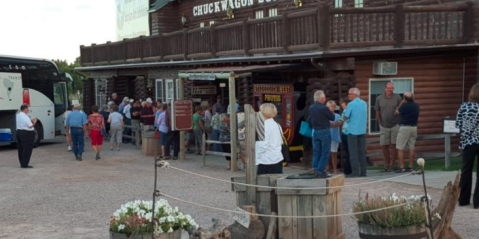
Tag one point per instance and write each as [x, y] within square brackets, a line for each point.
[278, 216]
[166, 165]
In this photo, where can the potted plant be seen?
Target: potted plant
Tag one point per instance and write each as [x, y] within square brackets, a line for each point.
[408, 220]
[133, 220]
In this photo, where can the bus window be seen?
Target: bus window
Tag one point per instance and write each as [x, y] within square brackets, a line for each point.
[60, 101]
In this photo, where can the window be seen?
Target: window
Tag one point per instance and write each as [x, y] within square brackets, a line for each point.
[273, 12]
[177, 89]
[159, 89]
[338, 3]
[259, 14]
[212, 23]
[170, 91]
[358, 3]
[376, 88]
[100, 92]
[202, 24]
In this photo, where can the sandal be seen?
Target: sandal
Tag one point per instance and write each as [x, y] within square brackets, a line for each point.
[401, 170]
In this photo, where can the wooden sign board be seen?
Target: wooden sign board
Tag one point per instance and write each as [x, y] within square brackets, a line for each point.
[270, 88]
[242, 217]
[182, 115]
[203, 90]
[450, 126]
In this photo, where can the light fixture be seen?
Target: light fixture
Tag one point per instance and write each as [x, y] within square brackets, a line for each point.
[298, 3]
[229, 13]
[183, 19]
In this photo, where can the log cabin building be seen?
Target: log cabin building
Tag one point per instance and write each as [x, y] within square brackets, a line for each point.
[281, 51]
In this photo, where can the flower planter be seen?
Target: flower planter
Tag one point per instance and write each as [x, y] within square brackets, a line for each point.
[367, 231]
[172, 235]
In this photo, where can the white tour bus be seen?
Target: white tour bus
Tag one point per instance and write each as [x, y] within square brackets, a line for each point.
[37, 83]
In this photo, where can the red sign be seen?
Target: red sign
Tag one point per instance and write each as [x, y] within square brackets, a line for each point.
[183, 114]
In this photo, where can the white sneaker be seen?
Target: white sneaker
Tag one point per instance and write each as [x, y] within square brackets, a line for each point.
[69, 148]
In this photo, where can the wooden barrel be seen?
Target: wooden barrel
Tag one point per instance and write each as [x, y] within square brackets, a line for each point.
[173, 235]
[367, 231]
[150, 145]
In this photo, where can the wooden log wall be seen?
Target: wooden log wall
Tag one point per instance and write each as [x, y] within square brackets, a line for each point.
[438, 84]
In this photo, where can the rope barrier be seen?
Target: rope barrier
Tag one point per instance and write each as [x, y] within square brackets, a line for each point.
[167, 165]
[278, 216]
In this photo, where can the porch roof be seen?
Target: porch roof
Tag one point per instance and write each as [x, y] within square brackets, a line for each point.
[225, 71]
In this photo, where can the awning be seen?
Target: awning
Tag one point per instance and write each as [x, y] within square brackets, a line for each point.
[213, 73]
[158, 4]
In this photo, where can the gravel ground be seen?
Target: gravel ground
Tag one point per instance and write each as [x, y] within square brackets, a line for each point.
[64, 198]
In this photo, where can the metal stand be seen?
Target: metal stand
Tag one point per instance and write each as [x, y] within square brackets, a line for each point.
[156, 193]
[425, 200]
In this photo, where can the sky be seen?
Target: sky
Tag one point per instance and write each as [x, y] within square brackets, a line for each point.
[55, 29]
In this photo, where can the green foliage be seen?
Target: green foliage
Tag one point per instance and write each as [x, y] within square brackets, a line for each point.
[64, 66]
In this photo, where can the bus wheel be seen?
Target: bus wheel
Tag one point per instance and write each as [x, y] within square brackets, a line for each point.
[38, 135]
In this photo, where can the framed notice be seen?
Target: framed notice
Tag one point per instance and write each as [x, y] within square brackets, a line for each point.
[182, 115]
[450, 126]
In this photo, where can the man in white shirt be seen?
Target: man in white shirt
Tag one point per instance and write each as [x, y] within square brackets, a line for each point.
[25, 136]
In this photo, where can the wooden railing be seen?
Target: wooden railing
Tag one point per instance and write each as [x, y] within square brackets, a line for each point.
[311, 30]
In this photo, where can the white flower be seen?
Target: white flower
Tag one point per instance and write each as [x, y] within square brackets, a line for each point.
[159, 230]
[170, 219]
[171, 230]
[438, 216]
[148, 216]
[121, 227]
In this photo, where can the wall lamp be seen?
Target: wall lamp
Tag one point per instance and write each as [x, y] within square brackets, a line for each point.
[229, 13]
[298, 3]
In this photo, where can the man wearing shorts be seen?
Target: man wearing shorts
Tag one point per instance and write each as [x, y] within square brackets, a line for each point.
[386, 105]
[409, 111]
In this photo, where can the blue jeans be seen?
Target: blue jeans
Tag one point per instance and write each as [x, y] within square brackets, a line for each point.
[215, 135]
[321, 149]
[357, 154]
[78, 140]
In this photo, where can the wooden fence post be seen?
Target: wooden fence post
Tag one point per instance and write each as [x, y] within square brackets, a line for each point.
[246, 42]
[93, 53]
[286, 33]
[140, 48]
[125, 49]
[250, 140]
[185, 44]
[468, 23]
[399, 19]
[214, 40]
[203, 149]
[233, 125]
[161, 46]
[108, 51]
[324, 26]
[447, 150]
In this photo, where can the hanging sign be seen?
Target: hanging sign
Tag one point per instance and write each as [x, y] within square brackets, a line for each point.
[203, 90]
[208, 77]
[272, 88]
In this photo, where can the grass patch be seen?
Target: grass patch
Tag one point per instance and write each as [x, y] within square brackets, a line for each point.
[435, 165]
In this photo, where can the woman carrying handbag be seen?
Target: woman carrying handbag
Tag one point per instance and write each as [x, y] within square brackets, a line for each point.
[268, 152]
[96, 127]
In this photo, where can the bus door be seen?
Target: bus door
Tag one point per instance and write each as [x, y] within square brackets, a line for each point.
[282, 96]
[61, 105]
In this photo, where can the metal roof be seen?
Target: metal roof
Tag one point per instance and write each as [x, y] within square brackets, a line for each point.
[159, 4]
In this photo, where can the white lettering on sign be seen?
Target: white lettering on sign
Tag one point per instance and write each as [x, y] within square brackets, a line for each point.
[242, 217]
[203, 90]
[450, 126]
[222, 5]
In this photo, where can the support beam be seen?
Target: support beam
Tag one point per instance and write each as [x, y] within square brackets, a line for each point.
[233, 123]
[250, 140]
[181, 84]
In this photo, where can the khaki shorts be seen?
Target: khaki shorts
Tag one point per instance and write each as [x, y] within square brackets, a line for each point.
[406, 137]
[242, 147]
[388, 135]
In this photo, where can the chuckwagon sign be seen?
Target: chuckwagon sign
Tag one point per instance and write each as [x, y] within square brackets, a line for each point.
[272, 89]
[222, 6]
[182, 115]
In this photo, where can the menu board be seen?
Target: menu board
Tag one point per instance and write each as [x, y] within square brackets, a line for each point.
[182, 115]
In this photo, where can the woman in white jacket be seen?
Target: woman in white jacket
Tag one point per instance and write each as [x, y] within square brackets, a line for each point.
[268, 152]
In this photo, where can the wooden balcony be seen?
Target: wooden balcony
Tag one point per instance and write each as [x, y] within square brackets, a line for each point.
[320, 29]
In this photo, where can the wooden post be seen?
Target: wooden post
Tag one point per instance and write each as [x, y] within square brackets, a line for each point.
[161, 46]
[108, 51]
[233, 128]
[447, 150]
[125, 54]
[141, 47]
[324, 30]
[399, 22]
[182, 133]
[250, 140]
[468, 23]
[93, 53]
[185, 43]
[203, 149]
[286, 33]
[214, 40]
[246, 45]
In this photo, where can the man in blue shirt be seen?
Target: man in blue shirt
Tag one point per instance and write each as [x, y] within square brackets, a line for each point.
[409, 111]
[356, 117]
[77, 125]
[320, 117]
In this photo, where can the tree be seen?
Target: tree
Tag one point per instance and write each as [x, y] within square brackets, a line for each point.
[64, 67]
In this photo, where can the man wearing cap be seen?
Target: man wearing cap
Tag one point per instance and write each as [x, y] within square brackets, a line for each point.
[148, 115]
[25, 136]
[218, 106]
[77, 125]
[127, 114]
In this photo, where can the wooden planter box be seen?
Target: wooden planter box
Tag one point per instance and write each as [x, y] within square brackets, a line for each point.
[173, 235]
[317, 202]
[367, 231]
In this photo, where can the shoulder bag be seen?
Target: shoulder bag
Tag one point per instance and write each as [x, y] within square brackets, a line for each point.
[284, 146]
[305, 129]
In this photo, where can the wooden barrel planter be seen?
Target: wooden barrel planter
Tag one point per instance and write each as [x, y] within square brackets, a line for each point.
[367, 231]
[172, 235]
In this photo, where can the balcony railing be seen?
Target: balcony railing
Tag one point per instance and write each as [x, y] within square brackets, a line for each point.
[318, 29]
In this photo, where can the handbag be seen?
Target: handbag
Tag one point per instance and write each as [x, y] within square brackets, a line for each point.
[305, 129]
[157, 134]
[102, 132]
[284, 146]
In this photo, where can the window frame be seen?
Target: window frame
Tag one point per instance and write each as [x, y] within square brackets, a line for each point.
[358, 3]
[167, 98]
[274, 11]
[371, 107]
[339, 3]
[161, 82]
[256, 14]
